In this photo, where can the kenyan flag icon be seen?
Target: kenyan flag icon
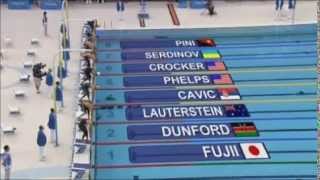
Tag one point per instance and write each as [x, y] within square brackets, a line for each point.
[247, 129]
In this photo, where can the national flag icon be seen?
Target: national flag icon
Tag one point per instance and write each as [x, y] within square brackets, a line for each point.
[247, 129]
[254, 151]
[215, 66]
[229, 94]
[206, 42]
[236, 110]
[221, 79]
[210, 54]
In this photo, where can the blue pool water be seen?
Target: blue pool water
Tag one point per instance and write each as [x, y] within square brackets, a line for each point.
[272, 74]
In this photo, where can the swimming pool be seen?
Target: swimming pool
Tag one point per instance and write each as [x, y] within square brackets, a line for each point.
[250, 115]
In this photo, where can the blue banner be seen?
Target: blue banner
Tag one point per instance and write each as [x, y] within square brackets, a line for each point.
[186, 112]
[151, 43]
[198, 152]
[174, 67]
[182, 80]
[19, 4]
[182, 95]
[50, 4]
[191, 131]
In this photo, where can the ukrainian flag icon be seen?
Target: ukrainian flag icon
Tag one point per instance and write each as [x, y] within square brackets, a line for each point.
[210, 54]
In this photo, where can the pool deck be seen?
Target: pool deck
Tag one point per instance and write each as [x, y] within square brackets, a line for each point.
[23, 25]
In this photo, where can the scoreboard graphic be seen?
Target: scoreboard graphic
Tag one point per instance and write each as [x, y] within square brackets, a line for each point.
[221, 107]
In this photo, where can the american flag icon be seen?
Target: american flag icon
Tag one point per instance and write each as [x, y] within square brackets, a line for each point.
[222, 79]
[216, 66]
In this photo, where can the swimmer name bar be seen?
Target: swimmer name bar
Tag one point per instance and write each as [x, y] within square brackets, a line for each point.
[182, 95]
[186, 112]
[199, 53]
[198, 152]
[174, 67]
[191, 131]
[151, 43]
[177, 80]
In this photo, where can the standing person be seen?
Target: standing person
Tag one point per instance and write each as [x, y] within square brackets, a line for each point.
[49, 78]
[6, 162]
[45, 23]
[59, 94]
[292, 7]
[52, 125]
[83, 126]
[279, 5]
[41, 141]
[37, 75]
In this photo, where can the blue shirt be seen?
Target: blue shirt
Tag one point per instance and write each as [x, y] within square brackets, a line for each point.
[59, 95]
[41, 139]
[52, 120]
[49, 79]
[6, 158]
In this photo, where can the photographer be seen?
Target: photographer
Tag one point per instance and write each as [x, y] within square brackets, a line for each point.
[37, 75]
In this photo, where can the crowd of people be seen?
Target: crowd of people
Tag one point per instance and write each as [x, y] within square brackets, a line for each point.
[40, 73]
[87, 73]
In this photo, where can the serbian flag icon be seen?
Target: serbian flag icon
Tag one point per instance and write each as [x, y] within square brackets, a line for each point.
[229, 94]
[215, 66]
[254, 151]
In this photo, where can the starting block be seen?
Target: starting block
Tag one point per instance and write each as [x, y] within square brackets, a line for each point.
[35, 41]
[79, 114]
[27, 64]
[2, 53]
[31, 52]
[19, 93]
[14, 109]
[8, 130]
[8, 41]
[80, 148]
[24, 77]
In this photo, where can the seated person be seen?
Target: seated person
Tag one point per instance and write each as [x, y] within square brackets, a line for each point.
[210, 8]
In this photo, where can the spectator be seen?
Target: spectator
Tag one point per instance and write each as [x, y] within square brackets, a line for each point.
[59, 94]
[52, 125]
[84, 129]
[6, 162]
[45, 23]
[37, 75]
[41, 141]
